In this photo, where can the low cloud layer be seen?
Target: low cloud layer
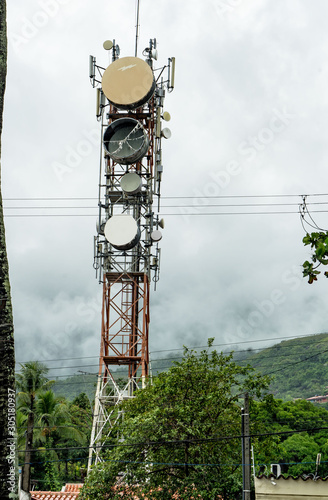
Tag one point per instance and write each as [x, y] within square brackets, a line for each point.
[249, 114]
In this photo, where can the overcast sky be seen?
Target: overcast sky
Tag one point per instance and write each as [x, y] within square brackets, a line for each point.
[249, 121]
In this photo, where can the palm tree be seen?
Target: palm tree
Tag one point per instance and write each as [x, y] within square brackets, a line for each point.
[21, 423]
[53, 416]
[55, 429]
[7, 351]
[30, 382]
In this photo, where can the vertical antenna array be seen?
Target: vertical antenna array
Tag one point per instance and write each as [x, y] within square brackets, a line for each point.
[130, 110]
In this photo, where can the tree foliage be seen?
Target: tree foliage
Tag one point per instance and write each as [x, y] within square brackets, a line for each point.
[319, 246]
[181, 434]
[30, 381]
[293, 433]
[299, 366]
[45, 422]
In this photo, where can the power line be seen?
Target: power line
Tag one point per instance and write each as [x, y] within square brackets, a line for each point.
[258, 351]
[221, 205]
[247, 342]
[207, 214]
[264, 422]
[201, 346]
[212, 205]
[175, 442]
[271, 356]
[181, 206]
[174, 197]
[117, 372]
[59, 359]
[296, 363]
[176, 464]
[178, 358]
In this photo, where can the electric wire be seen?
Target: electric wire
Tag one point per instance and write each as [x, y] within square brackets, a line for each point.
[174, 197]
[67, 377]
[204, 346]
[189, 214]
[171, 464]
[263, 422]
[303, 207]
[253, 353]
[173, 359]
[176, 442]
[304, 211]
[116, 372]
[173, 206]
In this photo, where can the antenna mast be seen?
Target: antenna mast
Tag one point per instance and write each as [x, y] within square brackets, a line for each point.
[137, 29]
[130, 110]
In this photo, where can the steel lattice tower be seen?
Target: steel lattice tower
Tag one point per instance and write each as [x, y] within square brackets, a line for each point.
[127, 255]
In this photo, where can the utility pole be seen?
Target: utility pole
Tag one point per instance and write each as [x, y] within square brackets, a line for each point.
[246, 449]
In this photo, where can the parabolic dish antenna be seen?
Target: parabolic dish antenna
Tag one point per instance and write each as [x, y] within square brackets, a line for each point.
[122, 231]
[126, 141]
[156, 235]
[108, 45]
[128, 83]
[166, 133]
[131, 183]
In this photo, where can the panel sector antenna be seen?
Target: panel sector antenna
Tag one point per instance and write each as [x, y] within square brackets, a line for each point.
[127, 255]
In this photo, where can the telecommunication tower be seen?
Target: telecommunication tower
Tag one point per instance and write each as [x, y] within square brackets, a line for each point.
[130, 100]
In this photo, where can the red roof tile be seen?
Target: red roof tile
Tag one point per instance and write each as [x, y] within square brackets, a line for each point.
[71, 492]
[53, 495]
[73, 487]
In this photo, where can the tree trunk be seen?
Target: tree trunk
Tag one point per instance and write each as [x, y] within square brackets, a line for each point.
[26, 469]
[8, 453]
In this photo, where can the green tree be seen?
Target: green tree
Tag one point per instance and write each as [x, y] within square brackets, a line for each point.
[182, 433]
[51, 481]
[55, 430]
[30, 382]
[319, 245]
[21, 424]
[296, 450]
[300, 366]
[300, 450]
[81, 418]
[8, 466]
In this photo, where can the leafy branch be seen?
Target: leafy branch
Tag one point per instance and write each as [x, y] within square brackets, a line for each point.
[319, 246]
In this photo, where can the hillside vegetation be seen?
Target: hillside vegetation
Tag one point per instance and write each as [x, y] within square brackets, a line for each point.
[299, 366]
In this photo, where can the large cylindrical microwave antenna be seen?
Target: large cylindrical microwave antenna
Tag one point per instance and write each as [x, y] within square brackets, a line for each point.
[128, 83]
[126, 141]
[122, 231]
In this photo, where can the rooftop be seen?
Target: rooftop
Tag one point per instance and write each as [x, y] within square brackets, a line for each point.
[70, 492]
